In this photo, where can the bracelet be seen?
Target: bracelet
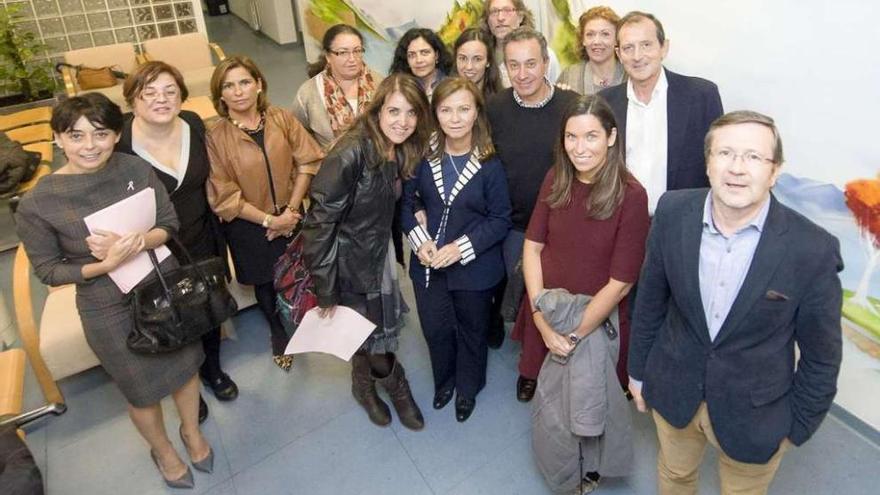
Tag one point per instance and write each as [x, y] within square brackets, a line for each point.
[536, 311]
[267, 221]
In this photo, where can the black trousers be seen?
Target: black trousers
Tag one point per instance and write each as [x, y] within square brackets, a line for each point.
[455, 325]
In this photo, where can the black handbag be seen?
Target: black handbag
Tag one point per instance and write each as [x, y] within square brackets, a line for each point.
[179, 306]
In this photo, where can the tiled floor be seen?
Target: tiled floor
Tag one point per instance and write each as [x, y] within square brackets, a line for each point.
[302, 433]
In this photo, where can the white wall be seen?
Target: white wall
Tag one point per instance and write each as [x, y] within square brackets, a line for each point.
[810, 64]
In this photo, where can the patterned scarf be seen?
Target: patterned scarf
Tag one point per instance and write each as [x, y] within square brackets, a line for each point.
[340, 112]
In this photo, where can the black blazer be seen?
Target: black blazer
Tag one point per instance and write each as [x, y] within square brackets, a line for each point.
[747, 376]
[692, 104]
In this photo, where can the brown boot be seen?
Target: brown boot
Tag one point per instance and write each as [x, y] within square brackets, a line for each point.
[398, 389]
[363, 388]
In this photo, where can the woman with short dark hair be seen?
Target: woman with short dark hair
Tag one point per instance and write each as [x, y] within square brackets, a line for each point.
[50, 222]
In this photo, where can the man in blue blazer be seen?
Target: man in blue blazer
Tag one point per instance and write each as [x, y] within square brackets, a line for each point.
[662, 116]
[732, 281]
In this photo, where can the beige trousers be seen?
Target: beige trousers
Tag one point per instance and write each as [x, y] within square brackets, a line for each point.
[681, 453]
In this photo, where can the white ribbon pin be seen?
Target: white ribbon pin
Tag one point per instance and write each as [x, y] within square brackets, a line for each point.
[130, 185]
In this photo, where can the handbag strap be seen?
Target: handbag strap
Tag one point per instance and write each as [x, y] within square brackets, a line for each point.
[164, 283]
[187, 257]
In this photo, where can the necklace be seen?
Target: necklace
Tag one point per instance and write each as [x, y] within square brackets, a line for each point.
[255, 130]
[454, 166]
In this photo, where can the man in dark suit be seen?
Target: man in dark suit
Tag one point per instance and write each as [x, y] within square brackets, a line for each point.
[732, 281]
[662, 116]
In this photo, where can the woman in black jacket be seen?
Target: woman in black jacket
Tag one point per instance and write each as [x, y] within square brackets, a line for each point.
[173, 142]
[347, 236]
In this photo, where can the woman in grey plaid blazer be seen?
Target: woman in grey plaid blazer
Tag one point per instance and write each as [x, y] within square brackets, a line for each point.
[50, 223]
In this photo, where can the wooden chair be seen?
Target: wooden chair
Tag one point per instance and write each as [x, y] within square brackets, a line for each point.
[191, 55]
[31, 134]
[57, 348]
[30, 337]
[25, 117]
[11, 382]
[201, 105]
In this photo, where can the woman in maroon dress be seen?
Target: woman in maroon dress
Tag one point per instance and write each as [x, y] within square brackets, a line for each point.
[587, 234]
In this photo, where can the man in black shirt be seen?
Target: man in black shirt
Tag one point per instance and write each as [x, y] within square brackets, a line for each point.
[526, 120]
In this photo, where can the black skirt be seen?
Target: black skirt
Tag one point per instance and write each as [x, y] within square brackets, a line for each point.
[252, 255]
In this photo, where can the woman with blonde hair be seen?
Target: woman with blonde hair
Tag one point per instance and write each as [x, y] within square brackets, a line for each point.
[599, 67]
[262, 162]
[347, 237]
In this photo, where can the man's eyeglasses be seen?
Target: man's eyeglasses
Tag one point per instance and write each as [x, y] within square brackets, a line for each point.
[726, 156]
[503, 10]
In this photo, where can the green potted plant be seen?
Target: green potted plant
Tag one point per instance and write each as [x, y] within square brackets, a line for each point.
[25, 76]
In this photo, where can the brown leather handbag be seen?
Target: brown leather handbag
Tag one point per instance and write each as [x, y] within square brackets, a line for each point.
[94, 77]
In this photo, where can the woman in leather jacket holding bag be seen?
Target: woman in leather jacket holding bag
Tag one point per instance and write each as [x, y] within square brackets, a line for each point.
[347, 236]
[262, 161]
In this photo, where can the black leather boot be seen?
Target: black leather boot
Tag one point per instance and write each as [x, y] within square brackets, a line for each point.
[401, 397]
[363, 388]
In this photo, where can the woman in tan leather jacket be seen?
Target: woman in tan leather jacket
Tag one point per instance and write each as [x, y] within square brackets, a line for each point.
[262, 162]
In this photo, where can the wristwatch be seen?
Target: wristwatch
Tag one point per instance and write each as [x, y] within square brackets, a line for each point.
[573, 338]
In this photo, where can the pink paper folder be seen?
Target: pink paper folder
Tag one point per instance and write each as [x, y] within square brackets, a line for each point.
[136, 213]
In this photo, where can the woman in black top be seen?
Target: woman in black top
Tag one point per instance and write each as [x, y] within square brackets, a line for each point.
[173, 142]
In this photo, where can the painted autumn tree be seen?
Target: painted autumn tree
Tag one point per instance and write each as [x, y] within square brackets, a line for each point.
[863, 199]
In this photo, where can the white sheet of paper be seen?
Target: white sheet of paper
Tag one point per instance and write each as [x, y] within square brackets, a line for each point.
[340, 335]
[136, 213]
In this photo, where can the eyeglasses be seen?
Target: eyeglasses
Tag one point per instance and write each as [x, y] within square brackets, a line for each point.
[356, 53]
[727, 156]
[503, 10]
[150, 95]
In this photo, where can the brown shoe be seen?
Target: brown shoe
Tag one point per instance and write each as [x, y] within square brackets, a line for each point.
[363, 388]
[401, 397]
[525, 388]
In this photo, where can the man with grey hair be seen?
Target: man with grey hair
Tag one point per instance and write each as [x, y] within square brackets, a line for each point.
[526, 120]
[500, 17]
[733, 280]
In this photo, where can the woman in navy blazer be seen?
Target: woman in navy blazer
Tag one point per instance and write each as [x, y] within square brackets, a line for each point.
[456, 260]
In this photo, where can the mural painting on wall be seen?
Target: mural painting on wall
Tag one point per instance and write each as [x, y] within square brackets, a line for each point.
[853, 216]
[380, 39]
